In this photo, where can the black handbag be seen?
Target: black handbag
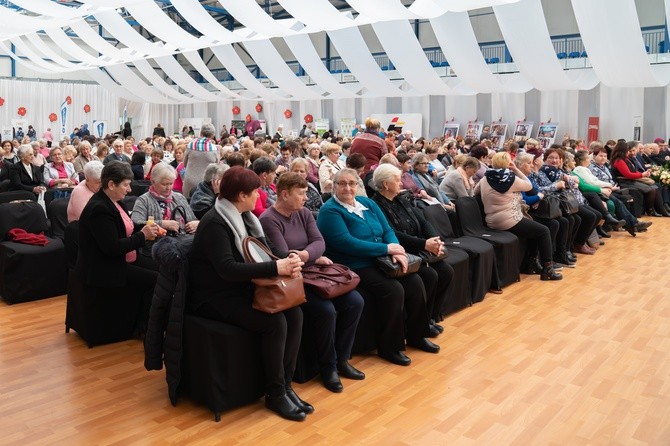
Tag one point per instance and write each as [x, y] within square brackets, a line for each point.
[429, 257]
[569, 203]
[394, 270]
[548, 207]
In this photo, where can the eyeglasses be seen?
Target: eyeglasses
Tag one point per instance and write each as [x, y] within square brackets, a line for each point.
[347, 183]
[422, 164]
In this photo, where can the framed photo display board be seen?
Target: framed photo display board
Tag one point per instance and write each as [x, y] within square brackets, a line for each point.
[522, 130]
[546, 134]
[498, 132]
[451, 129]
[474, 129]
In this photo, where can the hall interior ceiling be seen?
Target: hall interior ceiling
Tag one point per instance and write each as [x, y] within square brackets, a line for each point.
[146, 50]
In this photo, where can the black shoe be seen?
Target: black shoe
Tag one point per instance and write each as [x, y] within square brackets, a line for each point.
[331, 381]
[643, 225]
[548, 272]
[532, 266]
[284, 407]
[302, 405]
[348, 371]
[433, 332]
[613, 222]
[398, 358]
[653, 213]
[425, 345]
[571, 256]
[666, 206]
[437, 326]
[632, 229]
[562, 259]
[601, 232]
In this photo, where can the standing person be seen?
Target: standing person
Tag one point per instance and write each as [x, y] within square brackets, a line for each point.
[48, 136]
[32, 134]
[220, 287]
[127, 130]
[159, 131]
[331, 323]
[200, 153]
[369, 144]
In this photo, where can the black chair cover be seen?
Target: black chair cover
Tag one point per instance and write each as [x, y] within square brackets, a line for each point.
[57, 212]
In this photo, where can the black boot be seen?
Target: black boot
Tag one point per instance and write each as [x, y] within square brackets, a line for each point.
[631, 229]
[602, 233]
[548, 272]
[302, 405]
[532, 266]
[613, 222]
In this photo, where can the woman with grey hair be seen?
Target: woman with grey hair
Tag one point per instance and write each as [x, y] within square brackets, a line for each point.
[169, 209]
[458, 182]
[205, 193]
[200, 153]
[85, 156]
[25, 175]
[59, 173]
[415, 234]
[425, 180]
[84, 190]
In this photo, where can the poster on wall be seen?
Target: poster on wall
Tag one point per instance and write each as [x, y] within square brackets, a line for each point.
[522, 130]
[474, 129]
[99, 129]
[498, 131]
[637, 128]
[7, 134]
[403, 121]
[321, 126]
[546, 134]
[451, 129]
[347, 125]
[238, 124]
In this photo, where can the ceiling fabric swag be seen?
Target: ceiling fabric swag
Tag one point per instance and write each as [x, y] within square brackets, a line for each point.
[194, 59]
[274, 67]
[127, 78]
[95, 41]
[199, 18]
[160, 84]
[251, 15]
[179, 76]
[110, 84]
[25, 50]
[320, 12]
[302, 48]
[616, 51]
[229, 58]
[403, 48]
[356, 55]
[51, 9]
[66, 44]
[40, 45]
[126, 34]
[382, 10]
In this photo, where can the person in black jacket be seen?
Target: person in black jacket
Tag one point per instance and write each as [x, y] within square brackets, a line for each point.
[24, 175]
[118, 286]
[159, 131]
[415, 234]
[221, 288]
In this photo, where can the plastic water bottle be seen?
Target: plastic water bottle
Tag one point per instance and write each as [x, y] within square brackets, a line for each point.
[150, 221]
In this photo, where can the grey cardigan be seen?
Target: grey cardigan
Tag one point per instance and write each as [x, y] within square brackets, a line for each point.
[146, 205]
[453, 186]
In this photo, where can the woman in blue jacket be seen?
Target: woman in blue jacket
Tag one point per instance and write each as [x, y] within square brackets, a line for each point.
[356, 231]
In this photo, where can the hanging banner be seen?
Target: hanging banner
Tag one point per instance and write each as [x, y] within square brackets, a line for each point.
[124, 118]
[594, 126]
[321, 125]
[99, 128]
[63, 120]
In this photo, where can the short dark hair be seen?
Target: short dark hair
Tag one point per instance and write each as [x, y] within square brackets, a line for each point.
[139, 158]
[356, 161]
[263, 165]
[403, 157]
[115, 171]
[236, 159]
[238, 180]
[479, 152]
[290, 180]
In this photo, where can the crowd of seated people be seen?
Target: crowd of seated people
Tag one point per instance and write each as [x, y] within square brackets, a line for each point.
[307, 200]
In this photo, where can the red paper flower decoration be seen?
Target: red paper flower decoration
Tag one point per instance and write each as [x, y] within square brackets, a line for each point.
[68, 100]
[259, 108]
[309, 118]
[288, 113]
[53, 117]
[87, 108]
[247, 118]
[2, 102]
[236, 110]
[22, 111]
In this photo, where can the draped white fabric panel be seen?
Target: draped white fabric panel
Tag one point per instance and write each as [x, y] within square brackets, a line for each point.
[103, 79]
[400, 43]
[251, 15]
[270, 61]
[109, 51]
[152, 76]
[66, 44]
[616, 51]
[385, 10]
[40, 46]
[356, 55]
[200, 19]
[194, 59]
[302, 48]
[177, 73]
[511, 107]
[124, 33]
[320, 12]
[128, 79]
[25, 49]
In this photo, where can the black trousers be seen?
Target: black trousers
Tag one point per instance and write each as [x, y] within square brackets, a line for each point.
[589, 219]
[596, 203]
[280, 335]
[436, 278]
[537, 236]
[332, 324]
[393, 298]
[559, 228]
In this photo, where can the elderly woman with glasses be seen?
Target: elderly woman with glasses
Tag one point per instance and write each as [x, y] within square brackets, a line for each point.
[329, 167]
[59, 173]
[356, 232]
[420, 173]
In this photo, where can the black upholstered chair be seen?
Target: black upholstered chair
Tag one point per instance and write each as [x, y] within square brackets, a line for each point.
[29, 272]
[57, 213]
[506, 245]
[478, 253]
[17, 195]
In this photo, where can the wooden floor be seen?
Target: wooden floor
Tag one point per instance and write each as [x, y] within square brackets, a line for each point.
[581, 361]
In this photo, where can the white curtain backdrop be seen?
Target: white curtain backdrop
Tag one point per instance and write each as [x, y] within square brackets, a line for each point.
[561, 107]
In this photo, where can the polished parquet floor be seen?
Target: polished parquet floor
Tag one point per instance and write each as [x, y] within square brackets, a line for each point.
[581, 361]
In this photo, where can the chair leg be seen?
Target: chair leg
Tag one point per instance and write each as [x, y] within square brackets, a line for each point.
[217, 416]
[67, 329]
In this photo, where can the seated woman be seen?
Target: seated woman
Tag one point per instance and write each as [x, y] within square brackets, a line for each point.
[58, 173]
[24, 175]
[137, 163]
[420, 173]
[629, 175]
[163, 204]
[156, 159]
[120, 290]
[8, 155]
[356, 231]
[84, 190]
[408, 181]
[437, 169]
[500, 190]
[481, 153]
[314, 161]
[415, 234]
[314, 202]
[221, 288]
[329, 167]
[84, 156]
[204, 194]
[600, 170]
[331, 323]
[458, 181]
[265, 168]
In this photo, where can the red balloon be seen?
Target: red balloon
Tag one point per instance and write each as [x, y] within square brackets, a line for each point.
[236, 110]
[22, 111]
[68, 100]
[259, 108]
[87, 108]
[2, 102]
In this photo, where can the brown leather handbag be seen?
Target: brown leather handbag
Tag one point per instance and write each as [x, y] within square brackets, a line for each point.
[329, 281]
[272, 294]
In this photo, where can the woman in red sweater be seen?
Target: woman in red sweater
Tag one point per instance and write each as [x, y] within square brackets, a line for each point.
[631, 174]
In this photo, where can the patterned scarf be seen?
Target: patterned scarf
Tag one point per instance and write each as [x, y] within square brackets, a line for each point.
[500, 179]
[163, 202]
